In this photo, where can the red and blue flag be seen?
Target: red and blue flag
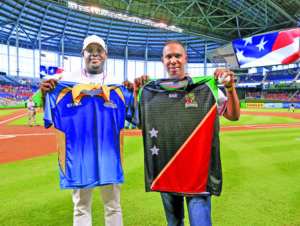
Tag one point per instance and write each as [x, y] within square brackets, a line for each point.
[51, 70]
[268, 49]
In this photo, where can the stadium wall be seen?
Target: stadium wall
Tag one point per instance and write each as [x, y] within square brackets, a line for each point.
[269, 105]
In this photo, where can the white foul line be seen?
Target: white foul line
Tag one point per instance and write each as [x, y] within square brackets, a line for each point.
[17, 135]
[13, 118]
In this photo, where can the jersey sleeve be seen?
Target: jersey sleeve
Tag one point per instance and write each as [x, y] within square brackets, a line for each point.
[129, 102]
[47, 113]
[222, 102]
[50, 102]
[136, 119]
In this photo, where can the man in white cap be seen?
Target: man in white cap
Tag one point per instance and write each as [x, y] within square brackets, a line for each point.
[94, 54]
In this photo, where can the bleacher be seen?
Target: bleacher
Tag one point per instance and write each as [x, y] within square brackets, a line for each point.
[251, 78]
[296, 98]
[253, 95]
[283, 75]
[15, 94]
[277, 96]
[7, 80]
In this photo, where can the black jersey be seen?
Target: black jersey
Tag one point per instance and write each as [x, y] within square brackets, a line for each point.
[180, 125]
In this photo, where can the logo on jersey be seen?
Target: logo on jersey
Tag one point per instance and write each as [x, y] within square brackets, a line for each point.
[172, 95]
[110, 105]
[190, 101]
[74, 104]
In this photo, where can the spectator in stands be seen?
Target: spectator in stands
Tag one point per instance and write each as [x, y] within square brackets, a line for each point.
[31, 112]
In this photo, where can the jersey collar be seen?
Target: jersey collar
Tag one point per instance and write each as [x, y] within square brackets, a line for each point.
[77, 91]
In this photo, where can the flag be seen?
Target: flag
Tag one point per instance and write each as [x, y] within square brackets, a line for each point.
[43, 71]
[51, 70]
[268, 49]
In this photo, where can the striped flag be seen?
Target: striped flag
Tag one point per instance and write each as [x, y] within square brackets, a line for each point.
[268, 49]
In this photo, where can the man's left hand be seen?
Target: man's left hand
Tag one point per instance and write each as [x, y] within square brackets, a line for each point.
[226, 72]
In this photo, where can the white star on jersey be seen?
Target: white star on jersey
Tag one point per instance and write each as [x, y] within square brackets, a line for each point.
[154, 150]
[153, 132]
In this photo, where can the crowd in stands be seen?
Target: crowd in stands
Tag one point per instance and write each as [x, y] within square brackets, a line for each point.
[283, 96]
[277, 96]
[296, 97]
[16, 93]
[253, 95]
[272, 76]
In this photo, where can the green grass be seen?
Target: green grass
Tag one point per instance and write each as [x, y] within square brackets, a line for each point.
[261, 185]
[244, 120]
[10, 111]
[23, 121]
[261, 178]
[268, 109]
[258, 119]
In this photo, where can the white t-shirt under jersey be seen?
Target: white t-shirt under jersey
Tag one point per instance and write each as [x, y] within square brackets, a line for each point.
[80, 76]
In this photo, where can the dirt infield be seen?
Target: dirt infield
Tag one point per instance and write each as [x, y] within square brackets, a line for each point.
[23, 142]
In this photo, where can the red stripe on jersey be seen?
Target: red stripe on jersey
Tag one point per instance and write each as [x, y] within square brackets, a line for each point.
[223, 109]
[187, 171]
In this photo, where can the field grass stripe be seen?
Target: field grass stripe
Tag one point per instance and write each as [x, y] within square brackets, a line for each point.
[13, 118]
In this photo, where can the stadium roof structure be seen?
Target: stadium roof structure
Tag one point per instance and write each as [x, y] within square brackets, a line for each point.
[140, 28]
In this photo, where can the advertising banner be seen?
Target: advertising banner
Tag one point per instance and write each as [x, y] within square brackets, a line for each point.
[273, 105]
[254, 105]
[288, 105]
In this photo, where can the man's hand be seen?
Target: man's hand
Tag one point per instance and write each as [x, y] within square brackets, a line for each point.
[139, 82]
[220, 72]
[47, 86]
[128, 85]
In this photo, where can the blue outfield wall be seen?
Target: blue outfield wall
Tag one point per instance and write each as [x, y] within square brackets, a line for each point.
[280, 105]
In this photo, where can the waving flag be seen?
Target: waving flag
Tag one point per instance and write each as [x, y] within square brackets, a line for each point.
[268, 49]
[44, 71]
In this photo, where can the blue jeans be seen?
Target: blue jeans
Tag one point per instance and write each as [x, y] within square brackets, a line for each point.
[199, 210]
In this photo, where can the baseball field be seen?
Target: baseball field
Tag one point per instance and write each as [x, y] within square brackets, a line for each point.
[260, 159]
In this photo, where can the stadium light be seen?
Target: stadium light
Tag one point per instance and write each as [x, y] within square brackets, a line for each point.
[120, 16]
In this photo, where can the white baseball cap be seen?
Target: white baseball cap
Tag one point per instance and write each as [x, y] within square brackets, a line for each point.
[93, 39]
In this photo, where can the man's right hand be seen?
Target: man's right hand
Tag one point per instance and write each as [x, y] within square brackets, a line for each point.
[48, 85]
[139, 82]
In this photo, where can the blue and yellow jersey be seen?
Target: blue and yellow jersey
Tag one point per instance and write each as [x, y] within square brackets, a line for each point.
[89, 123]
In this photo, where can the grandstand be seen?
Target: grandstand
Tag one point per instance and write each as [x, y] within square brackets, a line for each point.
[15, 94]
[49, 34]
